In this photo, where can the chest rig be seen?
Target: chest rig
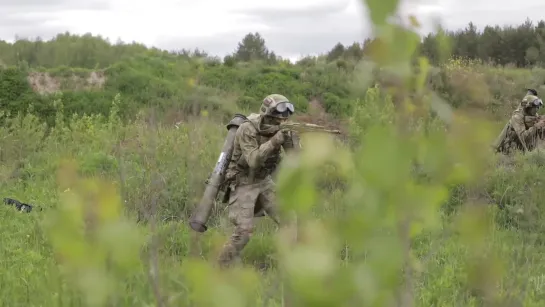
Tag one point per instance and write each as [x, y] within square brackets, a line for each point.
[239, 170]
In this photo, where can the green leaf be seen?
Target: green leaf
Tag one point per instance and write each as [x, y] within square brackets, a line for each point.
[385, 160]
[296, 189]
[380, 10]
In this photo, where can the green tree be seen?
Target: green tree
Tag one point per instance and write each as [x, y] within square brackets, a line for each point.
[336, 53]
[251, 48]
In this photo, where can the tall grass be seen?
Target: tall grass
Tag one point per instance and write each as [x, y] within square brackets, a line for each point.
[103, 184]
[413, 211]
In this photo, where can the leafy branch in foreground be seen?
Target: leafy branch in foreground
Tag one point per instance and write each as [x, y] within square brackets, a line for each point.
[92, 240]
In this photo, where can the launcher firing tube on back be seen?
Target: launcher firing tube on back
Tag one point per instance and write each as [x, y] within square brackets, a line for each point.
[204, 208]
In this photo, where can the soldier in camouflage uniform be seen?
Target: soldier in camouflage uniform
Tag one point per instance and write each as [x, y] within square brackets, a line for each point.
[256, 155]
[520, 133]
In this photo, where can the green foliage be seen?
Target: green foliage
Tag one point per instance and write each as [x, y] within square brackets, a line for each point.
[252, 48]
[522, 46]
[90, 70]
[413, 210]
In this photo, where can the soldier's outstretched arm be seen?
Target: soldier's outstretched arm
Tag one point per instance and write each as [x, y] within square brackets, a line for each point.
[252, 152]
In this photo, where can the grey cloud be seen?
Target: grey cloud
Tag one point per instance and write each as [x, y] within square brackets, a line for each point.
[319, 28]
[22, 6]
[216, 45]
[312, 43]
[311, 30]
[28, 18]
[279, 15]
[285, 42]
[24, 29]
[10, 27]
[316, 35]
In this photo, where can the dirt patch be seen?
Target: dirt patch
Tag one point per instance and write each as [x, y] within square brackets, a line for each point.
[44, 83]
[317, 115]
[96, 79]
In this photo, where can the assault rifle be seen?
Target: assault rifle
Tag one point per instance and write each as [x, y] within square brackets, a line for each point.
[304, 128]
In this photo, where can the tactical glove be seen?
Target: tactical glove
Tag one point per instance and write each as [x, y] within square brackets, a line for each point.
[278, 139]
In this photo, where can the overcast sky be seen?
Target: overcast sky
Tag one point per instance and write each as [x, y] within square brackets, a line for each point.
[290, 27]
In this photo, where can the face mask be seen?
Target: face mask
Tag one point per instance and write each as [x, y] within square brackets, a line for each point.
[269, 120]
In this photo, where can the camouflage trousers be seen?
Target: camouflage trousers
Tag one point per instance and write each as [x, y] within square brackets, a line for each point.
[245, 203]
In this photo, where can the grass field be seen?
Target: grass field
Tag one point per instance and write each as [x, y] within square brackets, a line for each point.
[408, 208]
[352, 241]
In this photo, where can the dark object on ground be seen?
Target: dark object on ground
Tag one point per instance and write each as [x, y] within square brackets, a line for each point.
[19, 205]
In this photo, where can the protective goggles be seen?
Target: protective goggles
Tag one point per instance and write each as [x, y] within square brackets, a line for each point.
[283, 109]
[538, 103]
[285, 106]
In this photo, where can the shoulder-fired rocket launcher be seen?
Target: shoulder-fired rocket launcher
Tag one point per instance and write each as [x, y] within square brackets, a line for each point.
[204, 208]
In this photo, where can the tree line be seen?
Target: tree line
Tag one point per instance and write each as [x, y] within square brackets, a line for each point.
[521, 46]
[191, 81]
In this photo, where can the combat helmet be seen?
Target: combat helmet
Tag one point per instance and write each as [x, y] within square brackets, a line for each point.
[276, 105]
[531, 99]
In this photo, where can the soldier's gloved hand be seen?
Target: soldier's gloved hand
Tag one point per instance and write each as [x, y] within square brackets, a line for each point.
[279, 138]
[540, 124]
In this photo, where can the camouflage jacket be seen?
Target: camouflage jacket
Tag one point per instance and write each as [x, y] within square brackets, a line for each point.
[254, 157]
[518, 123]
[519, 127]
